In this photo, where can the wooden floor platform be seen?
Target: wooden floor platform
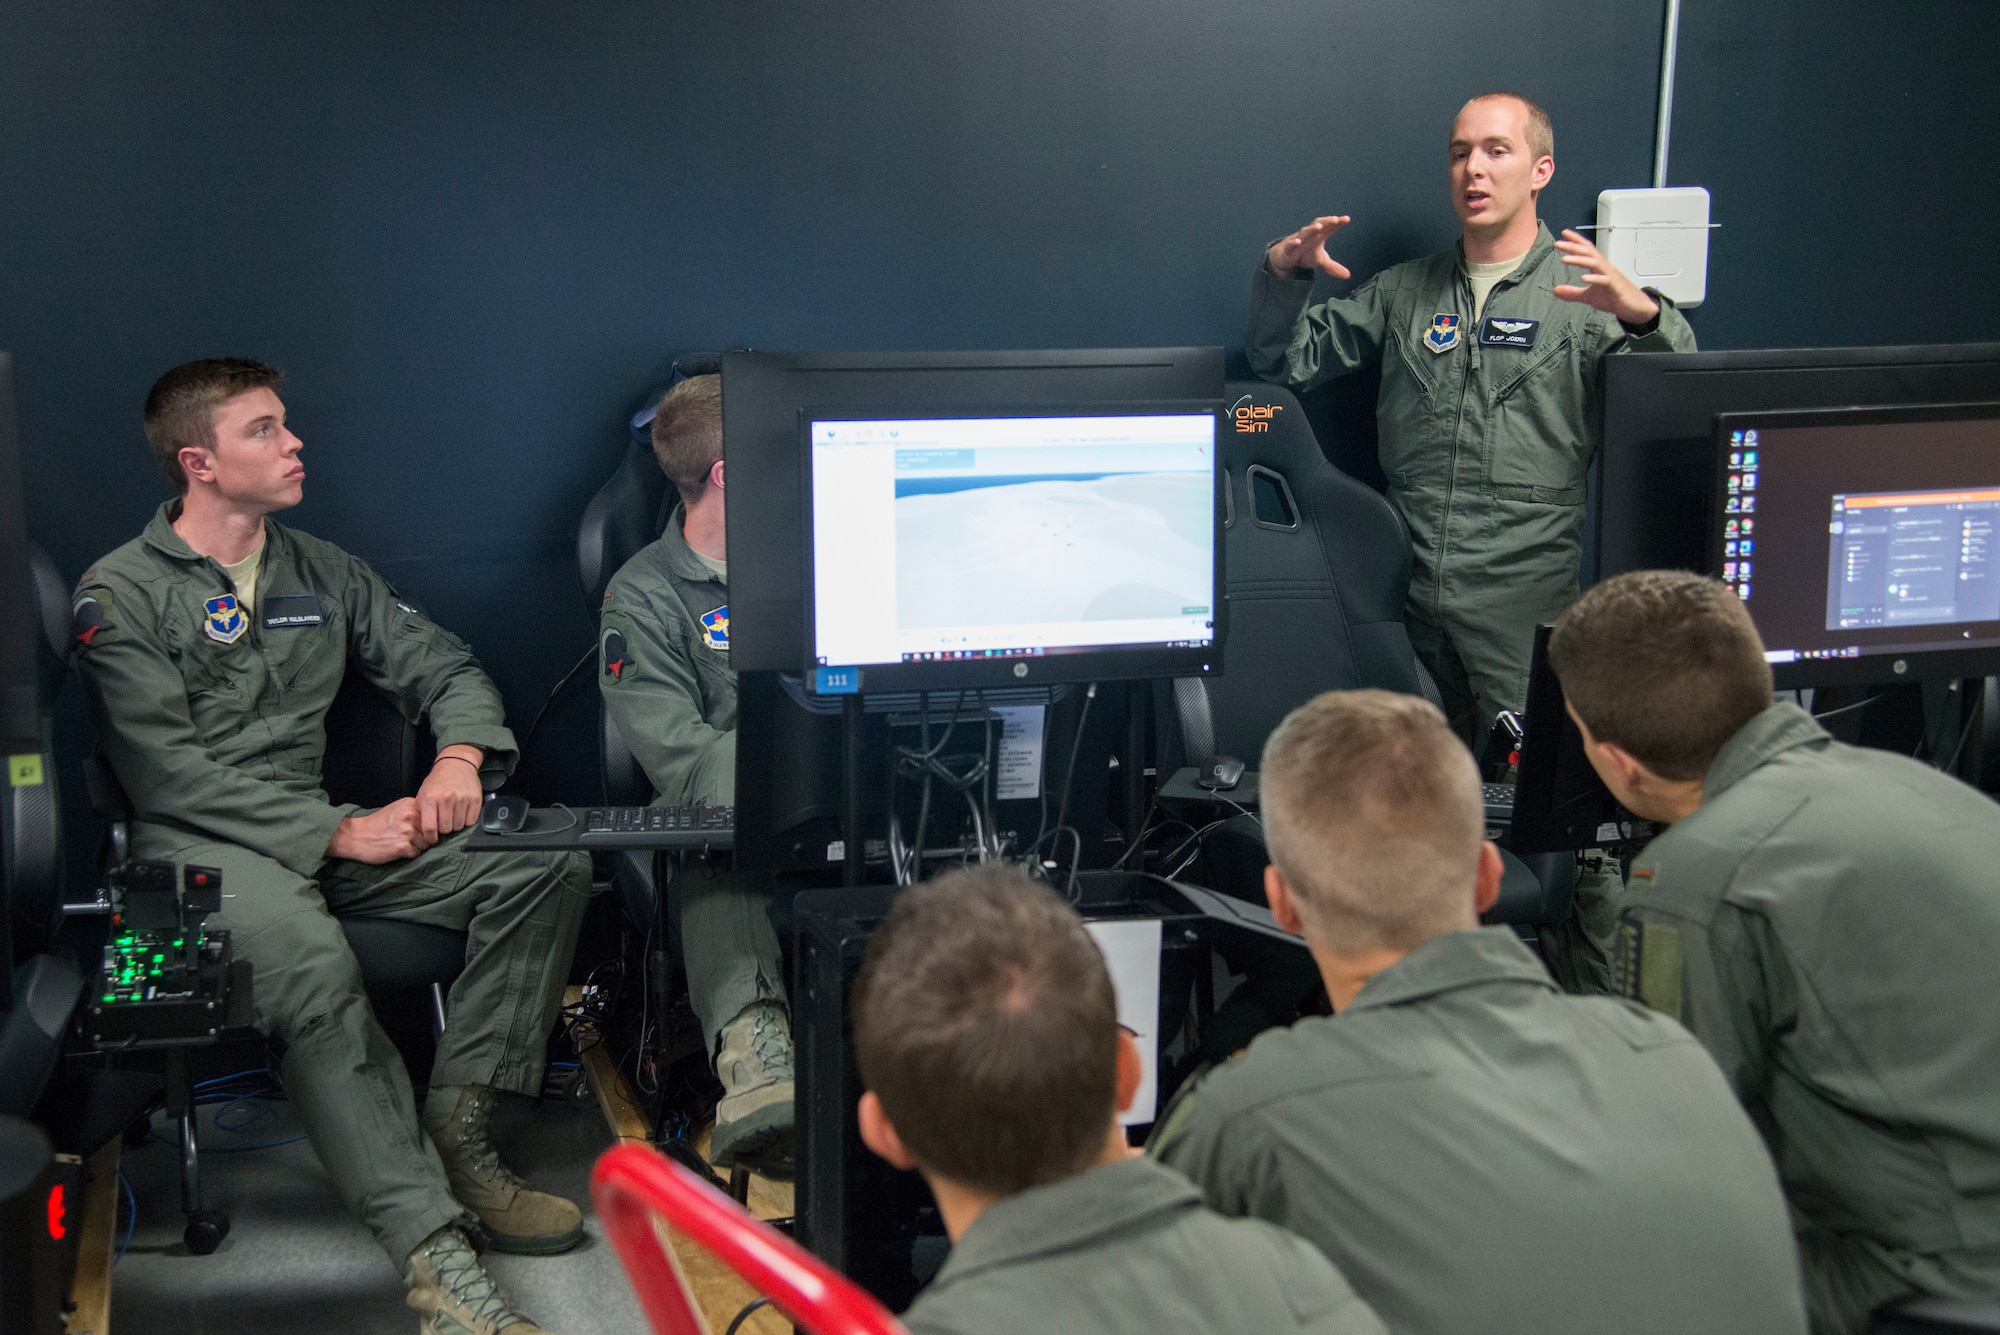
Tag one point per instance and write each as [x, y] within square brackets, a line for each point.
[716, 1288]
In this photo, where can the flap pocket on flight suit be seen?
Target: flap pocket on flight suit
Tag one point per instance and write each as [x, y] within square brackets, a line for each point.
[1538, 438]
[305, 638]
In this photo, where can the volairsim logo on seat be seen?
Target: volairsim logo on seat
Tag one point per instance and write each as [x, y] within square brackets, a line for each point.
[1251, 417]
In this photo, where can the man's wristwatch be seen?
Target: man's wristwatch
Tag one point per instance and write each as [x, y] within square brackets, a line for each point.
[1652, 325]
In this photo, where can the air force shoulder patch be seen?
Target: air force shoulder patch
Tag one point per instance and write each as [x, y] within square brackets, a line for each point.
[715, 628]
[225, 623]
[1442, 336]
[90, 620]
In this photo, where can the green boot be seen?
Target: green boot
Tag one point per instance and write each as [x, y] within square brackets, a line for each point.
[753, 1123]
[516, 1219]
[454, 1293]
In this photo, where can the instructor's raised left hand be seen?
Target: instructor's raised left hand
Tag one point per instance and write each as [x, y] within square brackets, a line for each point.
[1600, 284]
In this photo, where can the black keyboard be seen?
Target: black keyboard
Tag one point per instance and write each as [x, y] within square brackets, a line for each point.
[657, 827]
[1499, 802]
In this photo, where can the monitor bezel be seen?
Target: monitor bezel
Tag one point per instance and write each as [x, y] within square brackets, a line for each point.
[1080, 665]
[1867, 667]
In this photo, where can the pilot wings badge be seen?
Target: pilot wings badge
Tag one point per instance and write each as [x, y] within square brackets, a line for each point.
[715, 628]
[1442, 336]
[1501, 331]
[226, 622]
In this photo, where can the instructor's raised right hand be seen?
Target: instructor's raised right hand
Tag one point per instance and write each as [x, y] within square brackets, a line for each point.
[389, 835]
[1306, 249]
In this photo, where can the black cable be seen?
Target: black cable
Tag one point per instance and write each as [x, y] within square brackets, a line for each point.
[744, 1315]
[1069, 770]
[1964, 736]
[528, 738]
[1848, 709]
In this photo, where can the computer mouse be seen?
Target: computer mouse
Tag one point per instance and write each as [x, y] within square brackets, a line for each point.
[1222, 773]
[503, 814]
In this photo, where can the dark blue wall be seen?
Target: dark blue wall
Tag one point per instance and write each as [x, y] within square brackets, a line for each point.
[476, 233]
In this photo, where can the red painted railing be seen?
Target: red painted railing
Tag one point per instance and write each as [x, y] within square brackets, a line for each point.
[633, 1183]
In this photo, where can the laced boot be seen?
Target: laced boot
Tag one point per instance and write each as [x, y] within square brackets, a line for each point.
[516, 1218]
[753, 1123]
[455, 1295]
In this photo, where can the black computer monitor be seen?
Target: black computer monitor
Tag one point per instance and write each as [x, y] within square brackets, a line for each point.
[765, 394]
[1559, 802]
[1865, 543]
[1653, 487]
[986, 547]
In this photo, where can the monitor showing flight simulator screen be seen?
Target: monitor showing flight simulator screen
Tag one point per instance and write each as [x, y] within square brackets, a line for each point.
[1012, 546]
[1863, 540]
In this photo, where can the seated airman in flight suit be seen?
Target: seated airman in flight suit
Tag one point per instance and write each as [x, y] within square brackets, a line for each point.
[663, 668]
[1473, 1149]
[210, 648]
[1825, 918]
[1490, 356]
[988, 1041]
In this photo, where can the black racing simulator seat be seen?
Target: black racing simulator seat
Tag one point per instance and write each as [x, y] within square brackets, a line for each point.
[1317, 567]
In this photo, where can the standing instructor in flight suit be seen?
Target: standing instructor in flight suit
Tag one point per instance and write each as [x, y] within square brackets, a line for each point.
[1487, 412]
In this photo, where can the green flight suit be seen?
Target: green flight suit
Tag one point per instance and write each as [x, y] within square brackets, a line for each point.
[1478, 1152]
[1827, 922]
[1128, 1249]
[1485, 443]
[214, 722]
[663, 669]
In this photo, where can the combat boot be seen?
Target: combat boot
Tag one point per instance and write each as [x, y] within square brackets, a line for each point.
[455, 1295]
[516, 1218]
[753, 1123]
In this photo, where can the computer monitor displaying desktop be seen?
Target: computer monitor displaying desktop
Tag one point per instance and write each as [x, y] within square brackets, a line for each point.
[1863, 541]
[986, 547]
[1652, 488]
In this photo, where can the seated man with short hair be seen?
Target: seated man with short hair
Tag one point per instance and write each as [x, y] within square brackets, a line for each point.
[663, 670]
[210, 648]
[988, 1041]
[1474, 1150]
[1825, 918]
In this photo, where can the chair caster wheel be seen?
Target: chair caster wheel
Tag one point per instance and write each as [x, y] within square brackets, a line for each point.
[205, 1231]
[577, 1089]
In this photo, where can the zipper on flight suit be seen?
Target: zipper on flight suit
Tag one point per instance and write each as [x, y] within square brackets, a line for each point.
[1458, 423]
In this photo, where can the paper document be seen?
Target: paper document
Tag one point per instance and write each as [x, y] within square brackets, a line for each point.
[1020, 767]
[1132, 953]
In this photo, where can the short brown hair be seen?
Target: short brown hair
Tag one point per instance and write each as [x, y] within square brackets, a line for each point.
[180, 407]
[1374, 817]
[1541, 130]
[1664, 664]
[985, 1023]
[687, 433]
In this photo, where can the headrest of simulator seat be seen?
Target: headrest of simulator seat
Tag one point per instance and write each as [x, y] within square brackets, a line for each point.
[1265, 425]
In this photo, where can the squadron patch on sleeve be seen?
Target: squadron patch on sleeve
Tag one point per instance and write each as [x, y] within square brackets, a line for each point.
[90, 619]
[611, 652]
[715, 628]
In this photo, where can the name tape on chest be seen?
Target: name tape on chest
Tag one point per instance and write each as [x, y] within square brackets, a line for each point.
[1506, 331]
[286, 611]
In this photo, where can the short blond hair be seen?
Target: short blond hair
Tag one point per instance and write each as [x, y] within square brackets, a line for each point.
[1374, 817]
[687, 433]
[1541, 130]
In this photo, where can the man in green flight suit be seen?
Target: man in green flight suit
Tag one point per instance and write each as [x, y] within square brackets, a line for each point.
[1473, 1149]
[210, 648]
[1825, 919]
[1487, 413]
[663, 669]
[987, 1036]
